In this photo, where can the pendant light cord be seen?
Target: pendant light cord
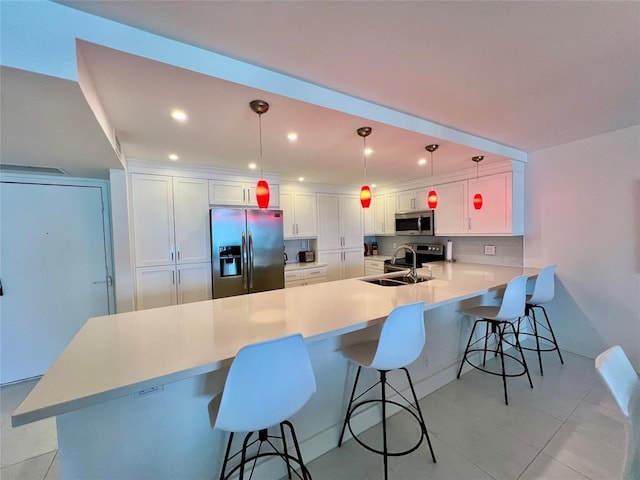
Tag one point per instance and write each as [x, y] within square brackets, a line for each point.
[431, 153]
[260, 127]
[364, 157]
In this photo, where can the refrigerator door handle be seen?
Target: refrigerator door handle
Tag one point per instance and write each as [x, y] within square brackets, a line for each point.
[250, 260]
[244, 261]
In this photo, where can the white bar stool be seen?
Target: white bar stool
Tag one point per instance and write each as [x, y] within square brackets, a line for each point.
[267, 383]
[543, 292]
[618, 375]
[401, 342]
[498, 320]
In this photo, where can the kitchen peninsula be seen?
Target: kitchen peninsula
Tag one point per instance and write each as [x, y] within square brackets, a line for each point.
[135, 386]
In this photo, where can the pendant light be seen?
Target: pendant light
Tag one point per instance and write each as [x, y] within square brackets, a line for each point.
[365, 191]
[262, 188]
[432, 196]
[477, 198]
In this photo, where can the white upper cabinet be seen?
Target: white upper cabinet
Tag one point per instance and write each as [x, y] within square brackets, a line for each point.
[170, 220]
[299, 213]
[501, 212]
[384, 214]
[495, 216]
[339, 222]
[153, 227]
[451, 216]
[191, 210]
[409, 200]
[229, 192]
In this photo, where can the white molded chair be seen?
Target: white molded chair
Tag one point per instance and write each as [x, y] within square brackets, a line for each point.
[618, 375]
[543, 292]
[400, 343]
[267, 383]
[498, 320]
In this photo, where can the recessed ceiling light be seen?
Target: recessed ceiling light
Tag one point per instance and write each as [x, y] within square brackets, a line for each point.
[368, 151]
[174, 157]
[292, 136]
[373, 185]
[301, 179]
[422, 161]
[253, 166]
[179, 115]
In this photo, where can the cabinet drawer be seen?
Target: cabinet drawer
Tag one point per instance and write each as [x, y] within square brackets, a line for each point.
[294, 275]
[315, 272]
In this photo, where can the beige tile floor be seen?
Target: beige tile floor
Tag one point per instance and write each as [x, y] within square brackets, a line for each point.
[566, 428]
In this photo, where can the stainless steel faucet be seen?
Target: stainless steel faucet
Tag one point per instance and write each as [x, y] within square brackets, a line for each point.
[413, 275]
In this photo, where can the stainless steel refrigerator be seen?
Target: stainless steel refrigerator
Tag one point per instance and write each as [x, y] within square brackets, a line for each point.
[246, 251]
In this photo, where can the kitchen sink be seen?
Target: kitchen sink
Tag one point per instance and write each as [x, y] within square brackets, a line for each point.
[393, 281]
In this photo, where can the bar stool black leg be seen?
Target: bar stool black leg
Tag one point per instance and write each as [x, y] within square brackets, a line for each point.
[555, 342]
[346, 417]
[226, 456]
[286, 451]
[501, 352]
[383, 383]
[531, 313]
[423, 425]
[524, 361]
[464, 357]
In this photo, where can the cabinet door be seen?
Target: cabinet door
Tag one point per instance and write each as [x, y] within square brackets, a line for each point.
[390, 213]
[306, 214]
[378, 214]
[191, 208]
[333, 259]
[351, 222]
[495, 215]
[405, 201]
[288, 218]
[156, 287]
[153, 229]
[451, 215]
[329, 237]
[274, 195]
[421, 198]
[369, 219]
[352, 264]
[227, 193]
[194, 282]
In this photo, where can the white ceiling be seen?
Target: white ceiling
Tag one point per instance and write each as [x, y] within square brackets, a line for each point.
[525, 74]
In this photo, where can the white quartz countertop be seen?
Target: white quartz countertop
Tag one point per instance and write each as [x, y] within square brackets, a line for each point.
[289, 267]
[117, 355]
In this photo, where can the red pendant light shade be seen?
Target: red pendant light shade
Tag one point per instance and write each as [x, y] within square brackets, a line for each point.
[262, 194]
[432, 199]
[365, 196]
[477, 201]
[365, 191]
[262, 188]
[432, 196]
[477, 198]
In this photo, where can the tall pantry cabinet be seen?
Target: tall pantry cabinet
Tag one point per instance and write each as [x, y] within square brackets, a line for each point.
[171, 240]
[340, 235]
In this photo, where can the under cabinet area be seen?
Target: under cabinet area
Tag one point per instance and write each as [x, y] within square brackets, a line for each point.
[301, 276]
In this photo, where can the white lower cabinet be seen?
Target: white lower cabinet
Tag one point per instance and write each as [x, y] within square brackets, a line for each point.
[342, 264]
[305, 276]
[373, 266]
[169, 285]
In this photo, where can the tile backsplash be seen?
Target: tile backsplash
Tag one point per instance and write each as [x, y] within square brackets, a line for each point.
[508, 250]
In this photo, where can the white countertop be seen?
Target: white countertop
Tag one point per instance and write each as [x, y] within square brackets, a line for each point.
[116, 355]
[303, 266]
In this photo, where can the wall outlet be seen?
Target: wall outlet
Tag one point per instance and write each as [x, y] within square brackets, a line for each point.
[489, 249]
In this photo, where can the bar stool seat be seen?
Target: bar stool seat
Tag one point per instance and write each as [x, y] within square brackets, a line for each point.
[497, 321]
[543, 292]
[267, 383]
[401, 342]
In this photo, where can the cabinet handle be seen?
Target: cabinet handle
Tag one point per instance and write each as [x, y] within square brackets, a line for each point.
[171, 252]
[178, 251]
[243, 196]
[179, 276]
[173, 277]
[469, 223]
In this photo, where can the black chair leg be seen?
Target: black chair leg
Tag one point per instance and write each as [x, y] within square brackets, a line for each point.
[555, 342]
[499, 349]
[532, 313]
[346, 417]
[383, 384]
[286, 451]
[524, 361]
[423, 425]
[226, 457]
[464, 357]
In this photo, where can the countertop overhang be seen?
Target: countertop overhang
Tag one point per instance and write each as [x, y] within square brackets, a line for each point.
[118, 355]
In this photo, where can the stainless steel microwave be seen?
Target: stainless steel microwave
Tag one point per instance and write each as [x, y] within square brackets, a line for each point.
[415, 223]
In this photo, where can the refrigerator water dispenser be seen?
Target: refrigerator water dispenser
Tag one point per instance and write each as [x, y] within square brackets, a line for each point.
[230, 261]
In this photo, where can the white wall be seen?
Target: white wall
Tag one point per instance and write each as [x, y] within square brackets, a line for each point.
[583, 213]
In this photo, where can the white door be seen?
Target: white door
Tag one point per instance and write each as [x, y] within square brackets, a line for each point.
[351, 221]
[53, 268]
[156, 287]
[451, 215]
[495, 215]
[352, 264]
[194, 283]
[191, 208]
[288, 219]
[333, 259]
[329, 234]
[306, 217]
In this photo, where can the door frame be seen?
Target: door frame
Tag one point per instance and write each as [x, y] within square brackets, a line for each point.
[103, 185]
